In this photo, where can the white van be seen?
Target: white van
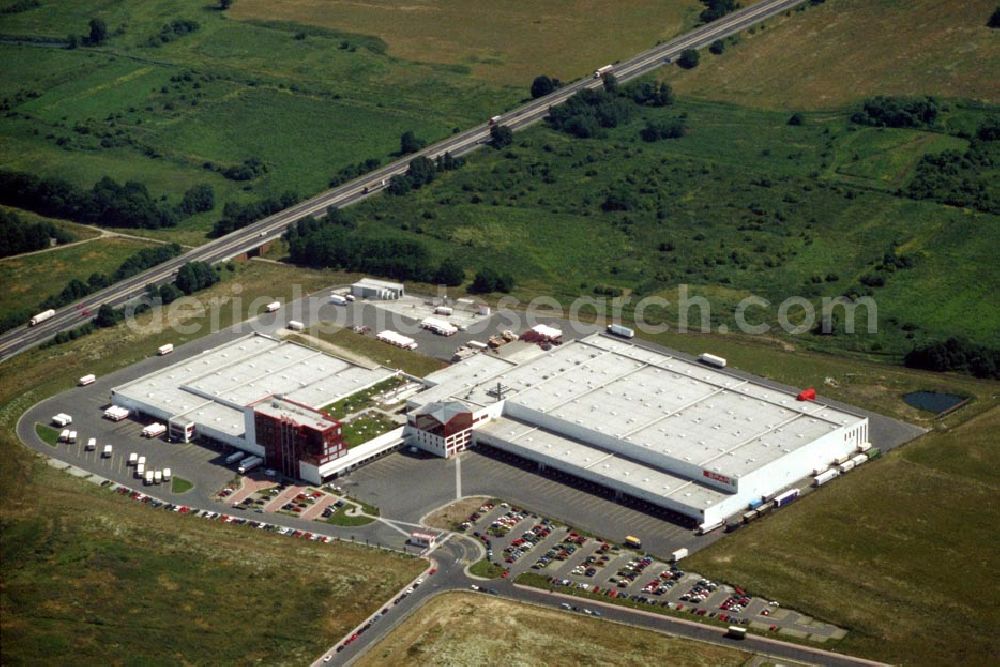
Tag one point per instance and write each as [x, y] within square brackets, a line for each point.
[107, 452]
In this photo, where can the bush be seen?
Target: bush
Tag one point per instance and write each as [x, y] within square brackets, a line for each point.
[717, 47]
[657, 130]
[796, 119]
[542, 86]
[689, 59]
[501, 136]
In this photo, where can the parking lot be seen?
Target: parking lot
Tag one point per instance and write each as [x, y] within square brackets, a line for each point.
[521, 541]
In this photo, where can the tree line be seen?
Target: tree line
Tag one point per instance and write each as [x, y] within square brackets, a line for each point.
[17, 236]
[958, 355]
[882, 111]
[589, 113]
[107, 203]
[237, 216]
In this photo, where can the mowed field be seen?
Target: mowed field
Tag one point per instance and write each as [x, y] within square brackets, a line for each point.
[835, 53]
[469, 629]
[29, 280]
[91, 577]
[505, 43]
[900, 552]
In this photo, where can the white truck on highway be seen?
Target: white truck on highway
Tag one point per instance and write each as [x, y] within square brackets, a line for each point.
[41, 317]
[166, 348]
[89, 378]
[273, 306]
[295, 325]
[601, 71]
[246, 465]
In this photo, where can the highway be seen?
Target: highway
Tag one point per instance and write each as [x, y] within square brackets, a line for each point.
[17, 340]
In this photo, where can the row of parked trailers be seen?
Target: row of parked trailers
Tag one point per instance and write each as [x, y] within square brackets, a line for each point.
[845, 465]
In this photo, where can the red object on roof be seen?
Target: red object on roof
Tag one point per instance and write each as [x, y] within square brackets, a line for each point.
[808, 394]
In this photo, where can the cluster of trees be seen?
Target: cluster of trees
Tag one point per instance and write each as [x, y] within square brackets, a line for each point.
[198, 199]
[489, 280]
[958, 355]
[543, 85]
[650, 94]
[657, 130]
[331, 242]
[589, 112]
[196, 276]
[962, 178]
[994, 21]
[136, 263]
[17, 236]
[352, 171]
[716, 9]
[338, 247]
[409, 143]
[237, 216]
[173, 30]
[501, 136]
[107, 203]
[422, 171]
[884, 111]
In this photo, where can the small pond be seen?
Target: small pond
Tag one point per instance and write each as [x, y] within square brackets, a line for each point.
[932, 401]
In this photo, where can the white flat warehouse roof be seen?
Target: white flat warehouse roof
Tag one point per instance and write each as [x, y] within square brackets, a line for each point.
[616, 472]
[212, 388]
[650, 400]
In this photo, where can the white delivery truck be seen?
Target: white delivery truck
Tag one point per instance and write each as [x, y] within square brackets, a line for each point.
[64, 435]
[601, 71]
[677, 555]
[273, 306]
[72, 439]
[165, 349]
[443, 310]
[150, 478]
[619, 330]
[133, 458]
[89, 378]
[295, 325]
[154, 430]
[62, 419]
[338, 300]
[158, 477]
[106, 454]
[246, 465]
[142, 460]
[166, 474]
[91, 443]
[140, 470]
[41, 317]
[712, 360]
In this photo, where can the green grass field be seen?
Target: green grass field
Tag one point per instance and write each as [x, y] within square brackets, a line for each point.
[833, 54]
[48, 434]
[508, 44]
[899, 553]
[30, 279]
[744, 204]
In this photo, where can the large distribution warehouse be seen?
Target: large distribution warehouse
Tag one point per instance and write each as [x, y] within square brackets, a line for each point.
[691, 439]
[258, 394]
